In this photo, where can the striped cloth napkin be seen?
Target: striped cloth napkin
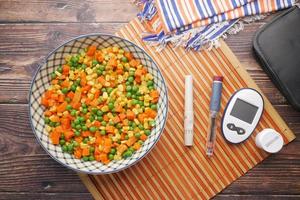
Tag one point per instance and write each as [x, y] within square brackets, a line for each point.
[198, 24]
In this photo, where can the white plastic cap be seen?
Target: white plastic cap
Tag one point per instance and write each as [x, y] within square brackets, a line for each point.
[269, 140]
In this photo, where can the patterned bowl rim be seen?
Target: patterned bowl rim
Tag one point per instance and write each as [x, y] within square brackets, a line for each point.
[44, 61]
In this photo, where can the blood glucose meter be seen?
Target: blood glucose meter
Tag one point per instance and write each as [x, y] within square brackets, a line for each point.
[241, 115]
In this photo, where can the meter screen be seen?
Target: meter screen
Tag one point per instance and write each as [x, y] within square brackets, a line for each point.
[244, 111]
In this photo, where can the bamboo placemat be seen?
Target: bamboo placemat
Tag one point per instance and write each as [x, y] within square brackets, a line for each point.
[171, 170]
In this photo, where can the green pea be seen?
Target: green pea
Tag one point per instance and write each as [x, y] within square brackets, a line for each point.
[68, 100]
[138, 94]
[110, 106]
[135, 88]
[102, 132]
[64, 90]
[57, 124]
[53, 75]
[134, 102]
[91, 158]
[153, 107]
[150, 83]
[93, 129]
[99, 113]
[81, 119]
[152, 123]
[83, 66]
[59, 69]
[141, 127]
[95, 62]
[128, 95]
[141, 142]
[119, 126]
[100, 99]
[147, 132]
[130, 79]
[150, 88]
[99, 72]
[92, 149]
[131, 149]
[109, 90]
[73, 125]
[70, 147]
[69, 107]
[52, 124]
[85, 158]
[84, 110]
[73, 87]
[124, 59]
[127, 154]
[133, 125]
[131, 73]
[101, 67]
[103, 123]
[137, 135]
[77, 82]
[127, 83]
[131, 128]
[73, 112]
[126, 137]
[75, 144]
[100, 118]
[78, 126]
[103, 90]
[111, 123]
[128, 88]
[47, 120]
[113, 151]
[64, 148]
[110, 156]
[83, 105]
[133, 96]
[92, 118]
[85, 140]
[77, 121]
[84, 128]
[77, 133]
[62, 142]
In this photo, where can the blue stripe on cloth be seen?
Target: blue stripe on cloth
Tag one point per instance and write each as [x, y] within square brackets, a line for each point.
[246, 10]
[222, 30]
[278, 4]
[234, 3]
[213, 12]
[177, 13]
[200, 11]
[167, 18]
[256, 8]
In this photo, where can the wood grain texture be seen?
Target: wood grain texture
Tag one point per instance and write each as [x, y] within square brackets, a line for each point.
[30, 29]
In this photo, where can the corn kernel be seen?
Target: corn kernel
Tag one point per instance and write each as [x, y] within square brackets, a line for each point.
[105, 95]
[104, 109]
[48, 128]
[89, 70]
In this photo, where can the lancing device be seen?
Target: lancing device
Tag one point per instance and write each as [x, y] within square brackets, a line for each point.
[214, 109]
[188, 111]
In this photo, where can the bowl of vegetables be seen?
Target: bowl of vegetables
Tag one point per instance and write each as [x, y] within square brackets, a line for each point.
[98, 104]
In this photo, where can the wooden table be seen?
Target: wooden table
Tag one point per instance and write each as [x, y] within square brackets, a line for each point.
[29, 30]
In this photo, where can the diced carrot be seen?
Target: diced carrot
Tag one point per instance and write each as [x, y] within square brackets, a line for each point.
[155, 96]
[88, 101]
[54, 97]
[103, 158]
[141, 117]
[85, 151]
[76, 105]
[65, 123]
[128, 55]
[68, 135]
[100, 57]
[48, 94]
[119, 71]
[97, 94]
[116, 119]
[151, 113]
[65, 69]
[54, 118]
[123, 134]
[138, 79]
[131, 141]
[98, 140]
[110, 129]
[83, 80]
[144, 70]
[122, 148]
[112, 62]
[45, 102]
[97, 123]
[143, 137]
[54, 82]
[101, 80]
[61, 98]
[138, 73]
[97, 158]
[78, 139]
[77, 96]
[130, 115]
[134, 63]
[118, 108]
[86, 133]
[105, 118]
[94, 103]
[65, 84]
[78, 153]
[91, 50]
[54, 136]
[70, 95]
[107, 145]
[47, 113]
[122, 116]
[86, 88]
[136, 146]
[62, 107]
[51, 102]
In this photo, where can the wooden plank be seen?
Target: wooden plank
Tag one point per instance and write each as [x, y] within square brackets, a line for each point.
[67, 11]
[45, 195]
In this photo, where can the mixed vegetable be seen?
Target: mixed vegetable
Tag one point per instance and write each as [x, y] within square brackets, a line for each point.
[101, 105]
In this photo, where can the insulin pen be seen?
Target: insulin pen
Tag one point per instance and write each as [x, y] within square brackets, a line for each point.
[214, 108]
[188, 111]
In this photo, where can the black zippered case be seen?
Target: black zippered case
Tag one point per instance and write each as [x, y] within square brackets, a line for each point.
[277, 46]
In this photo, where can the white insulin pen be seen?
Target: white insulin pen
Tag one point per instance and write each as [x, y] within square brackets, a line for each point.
[188, 111]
